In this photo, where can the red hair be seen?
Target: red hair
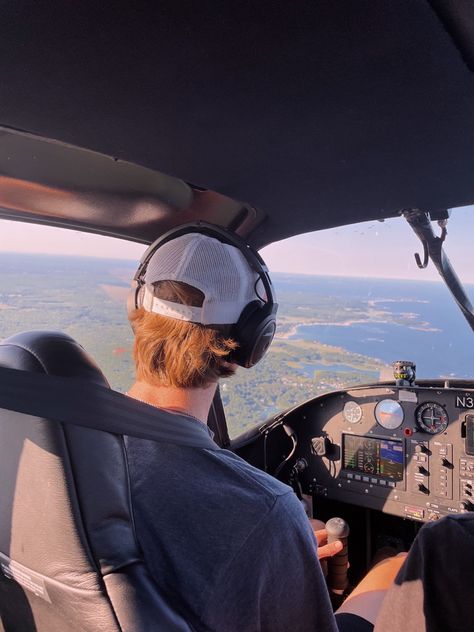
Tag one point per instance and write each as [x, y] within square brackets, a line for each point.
[169, 352]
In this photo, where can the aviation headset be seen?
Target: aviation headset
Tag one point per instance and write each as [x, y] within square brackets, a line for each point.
[255, 328]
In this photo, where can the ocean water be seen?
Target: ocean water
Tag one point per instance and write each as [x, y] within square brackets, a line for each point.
[445, 347]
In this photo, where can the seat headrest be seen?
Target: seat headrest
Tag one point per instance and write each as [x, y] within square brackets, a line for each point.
[49, 352]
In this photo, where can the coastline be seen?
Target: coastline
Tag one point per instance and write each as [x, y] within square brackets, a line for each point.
[293, 330]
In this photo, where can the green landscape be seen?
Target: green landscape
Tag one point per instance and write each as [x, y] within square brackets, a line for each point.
[85, 298]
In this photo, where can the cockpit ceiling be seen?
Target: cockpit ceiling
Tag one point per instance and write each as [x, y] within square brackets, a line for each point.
[49, 182]
[316, 113]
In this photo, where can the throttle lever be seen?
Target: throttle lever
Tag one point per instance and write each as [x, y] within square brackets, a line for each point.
[338, 529]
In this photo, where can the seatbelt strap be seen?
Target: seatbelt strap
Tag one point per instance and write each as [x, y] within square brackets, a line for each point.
[83, 403]
[216, 421]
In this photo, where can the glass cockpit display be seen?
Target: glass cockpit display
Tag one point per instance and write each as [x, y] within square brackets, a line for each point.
[372, 456]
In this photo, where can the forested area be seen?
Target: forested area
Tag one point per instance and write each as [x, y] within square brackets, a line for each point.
[85, 298]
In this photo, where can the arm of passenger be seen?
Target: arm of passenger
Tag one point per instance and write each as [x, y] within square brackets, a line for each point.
[367, 597]
[403, 603]
[429, 592]
[275, 582]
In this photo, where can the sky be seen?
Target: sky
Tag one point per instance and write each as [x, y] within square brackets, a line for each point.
[376, 249]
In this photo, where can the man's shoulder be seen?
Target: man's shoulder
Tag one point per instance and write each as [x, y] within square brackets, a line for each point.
[208, 473]
[235, 468]
[271, 503]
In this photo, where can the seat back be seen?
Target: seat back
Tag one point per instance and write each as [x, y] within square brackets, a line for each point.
[68, 552]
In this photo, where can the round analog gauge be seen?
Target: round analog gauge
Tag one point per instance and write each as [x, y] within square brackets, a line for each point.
[432, 418]
[352, 412]
[389, 414]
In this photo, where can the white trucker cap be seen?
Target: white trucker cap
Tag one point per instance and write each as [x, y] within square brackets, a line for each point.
[219, 270]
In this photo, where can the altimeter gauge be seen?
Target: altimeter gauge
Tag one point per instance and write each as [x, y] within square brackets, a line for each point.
[389, 414]
[352, 412]
[432, 418]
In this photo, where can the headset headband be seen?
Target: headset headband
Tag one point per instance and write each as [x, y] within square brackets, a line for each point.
[252, 257]
[256, 325]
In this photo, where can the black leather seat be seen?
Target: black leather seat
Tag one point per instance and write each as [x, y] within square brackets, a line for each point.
[68, 550]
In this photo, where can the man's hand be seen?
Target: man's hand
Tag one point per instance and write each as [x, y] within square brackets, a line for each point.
[324, 549]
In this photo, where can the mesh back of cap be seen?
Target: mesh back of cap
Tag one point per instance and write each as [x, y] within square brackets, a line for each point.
[219, 270]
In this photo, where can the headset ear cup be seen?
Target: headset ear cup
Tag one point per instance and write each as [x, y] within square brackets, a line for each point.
[134, 297]
[254, 333]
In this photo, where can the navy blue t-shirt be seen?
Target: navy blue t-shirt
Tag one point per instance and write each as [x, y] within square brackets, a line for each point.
[229, 546]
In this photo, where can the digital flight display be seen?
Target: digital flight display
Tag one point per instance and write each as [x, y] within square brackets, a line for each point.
[370, 456]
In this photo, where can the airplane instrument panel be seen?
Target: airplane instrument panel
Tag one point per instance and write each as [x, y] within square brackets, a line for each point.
[408, 452]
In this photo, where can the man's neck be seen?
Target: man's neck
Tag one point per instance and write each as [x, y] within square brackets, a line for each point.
[189, 401]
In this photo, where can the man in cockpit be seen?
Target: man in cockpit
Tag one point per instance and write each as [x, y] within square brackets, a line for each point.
[230, 547]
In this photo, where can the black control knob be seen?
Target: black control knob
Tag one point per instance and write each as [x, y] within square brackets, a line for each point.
[422, 488]
[421, 449]
[422, 470]
[467, 505]
[446, 463]
[338, 529]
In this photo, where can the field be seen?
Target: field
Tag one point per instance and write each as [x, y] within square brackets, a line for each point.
[86, 297]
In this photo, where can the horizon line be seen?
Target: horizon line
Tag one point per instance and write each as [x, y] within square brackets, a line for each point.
[305, 274]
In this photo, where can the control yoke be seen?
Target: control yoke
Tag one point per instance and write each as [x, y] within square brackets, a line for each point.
[338, 529]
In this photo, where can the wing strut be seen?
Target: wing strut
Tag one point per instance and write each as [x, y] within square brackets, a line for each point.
[420, 221]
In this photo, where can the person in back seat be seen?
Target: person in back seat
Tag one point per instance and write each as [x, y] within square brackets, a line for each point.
[230, 546]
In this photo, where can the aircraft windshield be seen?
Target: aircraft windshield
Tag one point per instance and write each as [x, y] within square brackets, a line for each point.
[352, 301]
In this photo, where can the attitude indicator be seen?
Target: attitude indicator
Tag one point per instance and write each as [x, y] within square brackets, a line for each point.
[389, 414]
